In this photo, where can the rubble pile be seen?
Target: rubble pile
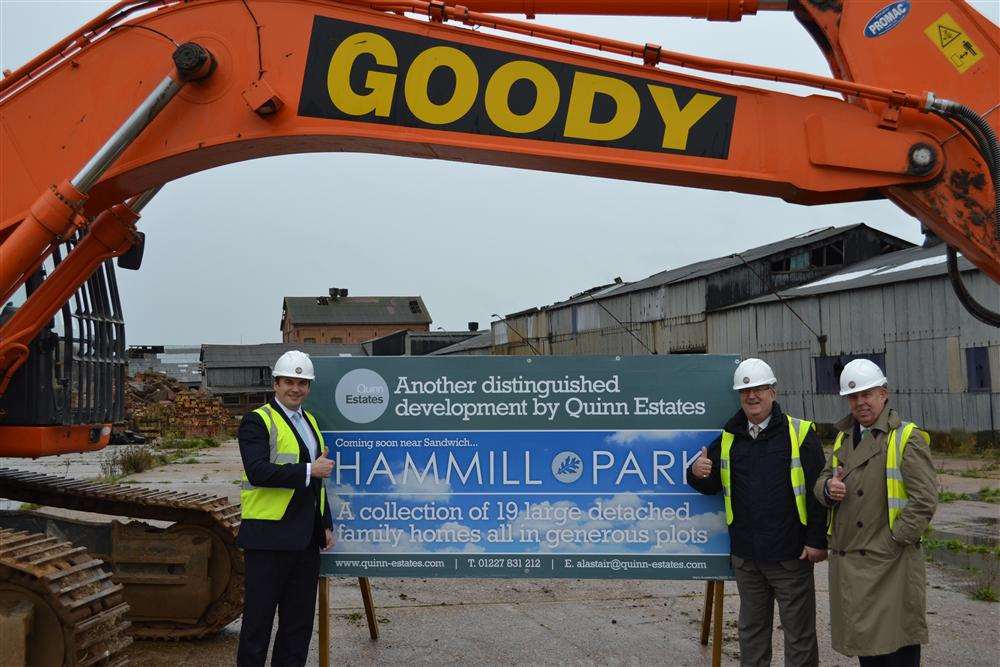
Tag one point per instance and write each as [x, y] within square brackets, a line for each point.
[156, 405]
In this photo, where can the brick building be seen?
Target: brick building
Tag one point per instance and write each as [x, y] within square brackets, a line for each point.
[342, 319]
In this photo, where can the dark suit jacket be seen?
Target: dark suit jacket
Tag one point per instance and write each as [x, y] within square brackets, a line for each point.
[766, 522]
[301, 526]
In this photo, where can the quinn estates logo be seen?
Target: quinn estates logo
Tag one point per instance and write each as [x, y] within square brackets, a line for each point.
[362, 395]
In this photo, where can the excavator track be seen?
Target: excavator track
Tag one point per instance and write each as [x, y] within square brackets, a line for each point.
[203, 517]
[71, 596]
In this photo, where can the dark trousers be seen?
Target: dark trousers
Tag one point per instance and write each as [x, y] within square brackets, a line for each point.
[790, 583]
[907, 656]
[285, 580]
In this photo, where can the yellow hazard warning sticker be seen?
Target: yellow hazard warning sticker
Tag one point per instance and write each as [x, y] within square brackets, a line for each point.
[954, 43]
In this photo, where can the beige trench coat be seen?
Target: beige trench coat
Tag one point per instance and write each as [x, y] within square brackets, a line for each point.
[877, 578]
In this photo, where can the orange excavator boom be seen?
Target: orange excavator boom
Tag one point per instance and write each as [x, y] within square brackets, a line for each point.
[275, 77]
[153, 90]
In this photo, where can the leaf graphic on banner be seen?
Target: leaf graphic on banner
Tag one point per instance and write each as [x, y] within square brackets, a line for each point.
[570, 465]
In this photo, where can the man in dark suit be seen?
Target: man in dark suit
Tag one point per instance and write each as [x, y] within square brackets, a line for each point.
[764, 462]
[285, 520]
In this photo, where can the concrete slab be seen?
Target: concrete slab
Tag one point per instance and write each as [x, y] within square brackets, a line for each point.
[970, 485]
[216, 470]
[978, 467]
[971, 521]
[560, 622]
[549, 622]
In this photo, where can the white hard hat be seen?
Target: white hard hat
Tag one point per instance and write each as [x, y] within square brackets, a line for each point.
[753, 373]
[294, 364]
[859, 375]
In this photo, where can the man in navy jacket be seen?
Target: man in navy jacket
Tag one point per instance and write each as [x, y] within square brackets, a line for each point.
[286, 520]
[777, 528]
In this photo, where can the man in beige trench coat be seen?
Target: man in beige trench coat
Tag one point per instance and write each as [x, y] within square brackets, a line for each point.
[882, 490]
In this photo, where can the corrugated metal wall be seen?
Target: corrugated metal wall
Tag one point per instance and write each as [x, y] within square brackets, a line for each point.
[919, 325]
[238, 377]
[665, 319]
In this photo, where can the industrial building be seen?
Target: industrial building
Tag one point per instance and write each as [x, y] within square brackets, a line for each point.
[241, 374]
[406, 343]
[898, 310]
[341, 319]
[176, 361]
[807, 310]
[667, 312]
[481, 343]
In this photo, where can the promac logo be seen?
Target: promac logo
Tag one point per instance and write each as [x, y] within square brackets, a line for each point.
[887, 18]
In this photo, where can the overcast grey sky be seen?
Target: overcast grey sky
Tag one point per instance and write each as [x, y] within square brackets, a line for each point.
[224, 246]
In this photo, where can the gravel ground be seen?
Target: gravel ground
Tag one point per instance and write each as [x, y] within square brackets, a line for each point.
[576, 622]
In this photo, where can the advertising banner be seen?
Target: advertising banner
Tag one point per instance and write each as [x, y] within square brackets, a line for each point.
[523, 466]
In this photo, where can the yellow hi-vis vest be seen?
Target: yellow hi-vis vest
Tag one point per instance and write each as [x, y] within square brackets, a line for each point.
[797, 430]
[895, 487]
[269, 503]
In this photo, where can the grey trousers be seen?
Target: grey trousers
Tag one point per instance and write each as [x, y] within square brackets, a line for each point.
[790, 583]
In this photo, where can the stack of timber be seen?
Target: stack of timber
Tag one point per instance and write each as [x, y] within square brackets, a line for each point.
[158, 406]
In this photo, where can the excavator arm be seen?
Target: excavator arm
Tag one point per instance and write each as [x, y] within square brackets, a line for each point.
[153, 90]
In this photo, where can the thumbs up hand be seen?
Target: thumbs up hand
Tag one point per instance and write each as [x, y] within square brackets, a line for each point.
[321, 467]
[702, 466]
[835, 487]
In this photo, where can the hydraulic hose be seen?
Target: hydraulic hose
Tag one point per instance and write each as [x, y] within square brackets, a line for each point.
[976, 309]
[989, 146]
[986, 141]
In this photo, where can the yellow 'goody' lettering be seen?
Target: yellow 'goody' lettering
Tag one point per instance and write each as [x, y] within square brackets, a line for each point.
[498, 97]
[581, 104]
[519, 96]
[381, 84]
[419, 75]
[678, 122]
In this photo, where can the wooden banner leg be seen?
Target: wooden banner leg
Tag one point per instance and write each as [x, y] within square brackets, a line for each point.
[324, 622]
[717, 634]
[706, 614]
[366, 596]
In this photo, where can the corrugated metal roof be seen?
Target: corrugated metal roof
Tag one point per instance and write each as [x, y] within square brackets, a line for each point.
[479, 342]
[356, 310]
[418, 342]
[424, 334]
[522, 313]
[265, 354]
[709, 266]
[593, 292]
[893, 267]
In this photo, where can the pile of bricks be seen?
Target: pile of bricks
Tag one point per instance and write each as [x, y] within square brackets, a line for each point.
[157, 406]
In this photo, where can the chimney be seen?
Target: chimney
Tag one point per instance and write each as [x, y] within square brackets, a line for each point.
[473, 326]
